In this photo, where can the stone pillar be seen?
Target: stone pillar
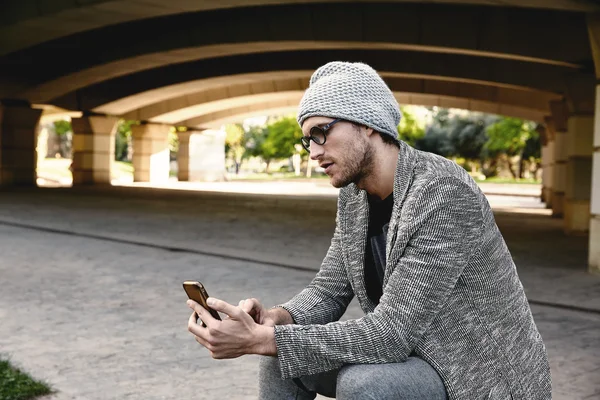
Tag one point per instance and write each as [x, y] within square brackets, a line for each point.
[93, 149]
[183, 155]
[18, 142]
[201, 156]
[150, 153]
[559, 126]
[547, 172]
[594, 248]
[593, 21]
[578, 174]
[559, 174]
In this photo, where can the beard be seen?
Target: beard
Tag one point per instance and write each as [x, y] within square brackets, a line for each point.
[358, 166]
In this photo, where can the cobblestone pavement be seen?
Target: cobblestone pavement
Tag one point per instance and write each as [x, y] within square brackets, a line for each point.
[91, 297]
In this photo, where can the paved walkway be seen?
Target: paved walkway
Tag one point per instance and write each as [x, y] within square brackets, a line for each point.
[91, 298]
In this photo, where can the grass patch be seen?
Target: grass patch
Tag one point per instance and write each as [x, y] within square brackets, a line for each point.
[58, 169]
[122, 168]
[508, 180]
[273, 176]
[17, 385]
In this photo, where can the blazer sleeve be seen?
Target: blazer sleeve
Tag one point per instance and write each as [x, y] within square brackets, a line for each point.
[445, 221]
[326, 298]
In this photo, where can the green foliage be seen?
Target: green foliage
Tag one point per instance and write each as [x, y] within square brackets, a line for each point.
[436, 140]
[468, 134]
[16, 385]
[533, 147]
[173, 138]
[62, 127]
[235, 144]
[410, 130]
[282, 137]
[277, 140]
[123, 139]
[482, 140]
[509, 136]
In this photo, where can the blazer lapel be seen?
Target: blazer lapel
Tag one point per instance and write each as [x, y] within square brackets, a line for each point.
[407, 159]
[356, 224]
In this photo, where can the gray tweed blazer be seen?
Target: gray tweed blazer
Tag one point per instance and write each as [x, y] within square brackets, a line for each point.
[451, 293]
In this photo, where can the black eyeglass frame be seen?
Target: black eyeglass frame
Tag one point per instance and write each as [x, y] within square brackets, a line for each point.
[306, 139]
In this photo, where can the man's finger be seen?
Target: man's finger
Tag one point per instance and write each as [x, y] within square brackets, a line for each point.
[202, 312]
[247, 305]
[224, 307]
[193, 326]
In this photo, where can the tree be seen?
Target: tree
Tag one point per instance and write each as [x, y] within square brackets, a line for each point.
[508, 137]
[235, 144]
[283, 134]
[61, 143]
[123, 140]
[436, 140]
[410, 130]
[275, 141]
[533, 152]
[62, 127]
[468, 137]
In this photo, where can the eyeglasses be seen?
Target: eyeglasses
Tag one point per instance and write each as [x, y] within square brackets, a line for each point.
[318, 134]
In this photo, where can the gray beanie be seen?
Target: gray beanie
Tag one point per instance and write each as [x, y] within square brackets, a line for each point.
[354, 92]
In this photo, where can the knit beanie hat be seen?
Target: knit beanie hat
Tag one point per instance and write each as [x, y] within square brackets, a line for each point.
[354, 92]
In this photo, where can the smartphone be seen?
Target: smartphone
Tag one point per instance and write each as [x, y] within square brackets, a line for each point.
[195, 291]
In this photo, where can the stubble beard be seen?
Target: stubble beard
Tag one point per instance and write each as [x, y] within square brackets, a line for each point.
[358, 167]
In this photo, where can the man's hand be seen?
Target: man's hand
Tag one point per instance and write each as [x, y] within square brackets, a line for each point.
[257, 311]
[263, 316]
[233, 337]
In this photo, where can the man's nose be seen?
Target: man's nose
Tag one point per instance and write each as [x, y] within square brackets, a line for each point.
[315, 150]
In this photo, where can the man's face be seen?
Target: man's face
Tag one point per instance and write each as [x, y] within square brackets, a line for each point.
[346, 155]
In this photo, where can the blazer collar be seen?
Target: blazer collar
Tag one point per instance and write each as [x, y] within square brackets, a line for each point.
[356, 221]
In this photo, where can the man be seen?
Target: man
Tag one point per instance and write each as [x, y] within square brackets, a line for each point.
[416, 241]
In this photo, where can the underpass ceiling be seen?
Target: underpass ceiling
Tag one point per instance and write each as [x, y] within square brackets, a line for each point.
[182, 114]
[209, 98]
[457, 68]
[532, 35]
[289, 105]
[27, 23]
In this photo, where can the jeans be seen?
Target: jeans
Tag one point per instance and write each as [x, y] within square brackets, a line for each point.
[410, 380]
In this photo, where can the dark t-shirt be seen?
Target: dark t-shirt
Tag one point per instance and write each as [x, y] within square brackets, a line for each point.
[380, 212]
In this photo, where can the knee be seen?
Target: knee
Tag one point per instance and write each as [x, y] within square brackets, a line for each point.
[268, 368]
[354, 382]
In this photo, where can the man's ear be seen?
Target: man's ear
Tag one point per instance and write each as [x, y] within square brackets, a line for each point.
[369, 130]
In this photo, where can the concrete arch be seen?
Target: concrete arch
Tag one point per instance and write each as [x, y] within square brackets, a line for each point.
[59, 19]
[491, 72]
[215, 119]
[73, 17]
[288, 103]
[487, 32]
[173, 109]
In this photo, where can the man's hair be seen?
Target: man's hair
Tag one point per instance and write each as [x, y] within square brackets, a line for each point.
[387, 139]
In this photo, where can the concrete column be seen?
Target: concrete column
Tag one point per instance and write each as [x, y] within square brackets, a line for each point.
[93, 149]
[183, 155]
[18, 142]
[594, 248]
[580, 139]
[201, 156]
[559, 174]
[547, 172]
[150, 153]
